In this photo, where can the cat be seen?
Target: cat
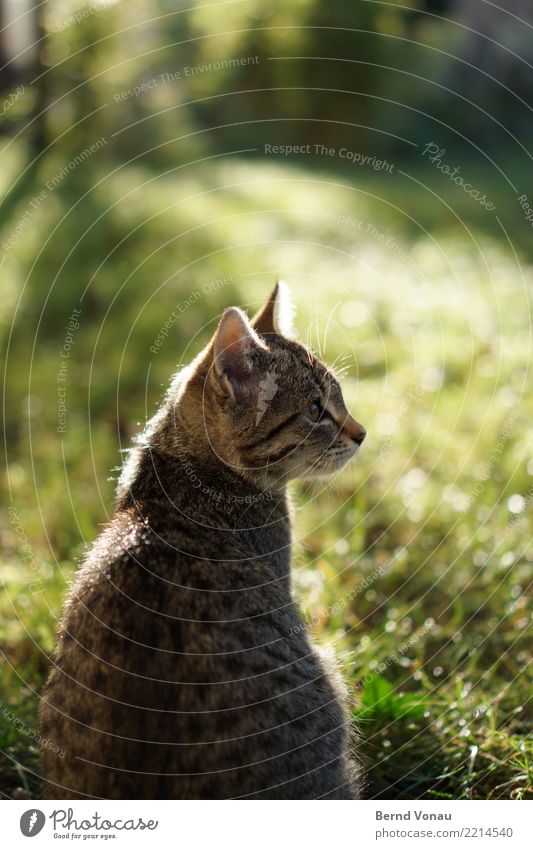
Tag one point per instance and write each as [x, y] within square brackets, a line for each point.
[183, 669]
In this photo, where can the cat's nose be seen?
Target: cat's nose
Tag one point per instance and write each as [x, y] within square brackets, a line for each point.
[359, 437]
[355, 430]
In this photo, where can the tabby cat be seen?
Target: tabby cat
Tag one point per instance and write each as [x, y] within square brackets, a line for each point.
[183, 669]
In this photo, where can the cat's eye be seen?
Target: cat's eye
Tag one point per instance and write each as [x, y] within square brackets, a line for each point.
[314, 411]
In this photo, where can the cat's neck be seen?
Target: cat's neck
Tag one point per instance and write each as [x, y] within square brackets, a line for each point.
[167, 492]
[198, 486]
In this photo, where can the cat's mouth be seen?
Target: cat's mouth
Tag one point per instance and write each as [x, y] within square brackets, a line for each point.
[334, 459]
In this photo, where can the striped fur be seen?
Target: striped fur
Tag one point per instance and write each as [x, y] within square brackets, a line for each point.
[182, 668]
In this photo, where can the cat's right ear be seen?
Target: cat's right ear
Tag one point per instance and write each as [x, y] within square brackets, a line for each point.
[277, 315]
[233, 344]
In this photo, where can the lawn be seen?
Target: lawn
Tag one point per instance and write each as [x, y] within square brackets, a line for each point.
[413, 565]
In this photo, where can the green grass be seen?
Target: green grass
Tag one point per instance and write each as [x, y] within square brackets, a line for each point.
[414, 564]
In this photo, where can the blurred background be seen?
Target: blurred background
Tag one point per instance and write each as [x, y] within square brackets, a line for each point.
[163, 160]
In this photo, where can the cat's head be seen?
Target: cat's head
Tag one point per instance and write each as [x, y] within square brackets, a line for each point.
[268, 408]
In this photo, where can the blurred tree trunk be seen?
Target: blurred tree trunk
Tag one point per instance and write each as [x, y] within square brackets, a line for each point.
[481, 49]
[6, 69]
[498, 25]
[21, 45]
[39, 81]
[22, 39]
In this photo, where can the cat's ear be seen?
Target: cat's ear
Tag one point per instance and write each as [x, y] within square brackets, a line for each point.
[234, 342]
[276, 316]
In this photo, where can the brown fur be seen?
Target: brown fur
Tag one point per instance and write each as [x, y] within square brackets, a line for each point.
[183, 669]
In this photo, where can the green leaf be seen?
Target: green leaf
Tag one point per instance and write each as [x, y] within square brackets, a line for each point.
[379, 701]
[377, 697]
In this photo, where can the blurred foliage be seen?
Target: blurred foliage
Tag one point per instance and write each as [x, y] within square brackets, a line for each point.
[415, 565]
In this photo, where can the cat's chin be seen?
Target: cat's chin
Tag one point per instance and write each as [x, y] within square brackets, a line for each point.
[331, 464]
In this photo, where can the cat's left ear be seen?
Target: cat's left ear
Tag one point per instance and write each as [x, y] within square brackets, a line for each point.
[277, 315]
[234, 345]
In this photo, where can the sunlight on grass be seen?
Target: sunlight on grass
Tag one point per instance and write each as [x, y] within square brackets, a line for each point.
[413, 564]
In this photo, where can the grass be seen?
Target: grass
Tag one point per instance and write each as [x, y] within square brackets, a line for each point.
[413, 565]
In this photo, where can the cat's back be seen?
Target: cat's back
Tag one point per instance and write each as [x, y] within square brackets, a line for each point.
[165, 644]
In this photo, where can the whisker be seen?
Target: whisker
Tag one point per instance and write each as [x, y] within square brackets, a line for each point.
[332, 311]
